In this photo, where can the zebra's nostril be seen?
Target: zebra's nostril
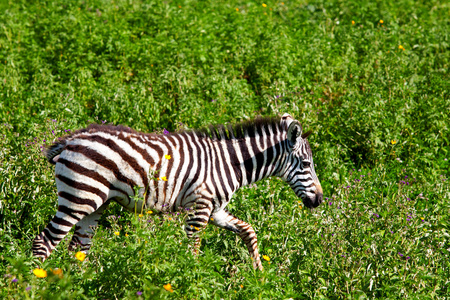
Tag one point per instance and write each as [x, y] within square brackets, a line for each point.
[319, 198]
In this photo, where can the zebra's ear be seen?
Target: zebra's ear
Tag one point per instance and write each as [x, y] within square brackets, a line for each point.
[294, 131]
[306, 134]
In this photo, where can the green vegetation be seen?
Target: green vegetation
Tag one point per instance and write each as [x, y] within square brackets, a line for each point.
[370, 78]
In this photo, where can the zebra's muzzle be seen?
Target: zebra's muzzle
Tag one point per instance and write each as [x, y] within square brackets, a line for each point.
[312, 202]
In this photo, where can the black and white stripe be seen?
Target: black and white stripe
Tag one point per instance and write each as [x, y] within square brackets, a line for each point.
[103, 163]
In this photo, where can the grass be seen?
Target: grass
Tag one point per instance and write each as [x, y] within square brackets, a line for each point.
[369, 78]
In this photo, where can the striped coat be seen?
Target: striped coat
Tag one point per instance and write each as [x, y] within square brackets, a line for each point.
[199, 170]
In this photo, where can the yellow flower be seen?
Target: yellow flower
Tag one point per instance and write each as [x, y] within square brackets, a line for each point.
[167, 156]
[401, 47]
[126, 234]
[80, 255]
[264, 5]
[40, 273]
[381, 22]
[265, 257]
[241, 286]
[237, 9]
[393, 142]
[141, 215]
[212, 219]
[282, 3]
[58, 272]
[196, 228]
[149, 212]
[353, 22]
[168, 287]
[164, 178]
[117, 233]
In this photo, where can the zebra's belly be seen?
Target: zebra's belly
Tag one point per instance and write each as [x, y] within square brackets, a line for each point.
[145, 199]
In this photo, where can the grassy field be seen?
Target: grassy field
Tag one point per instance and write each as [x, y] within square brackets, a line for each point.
[371, 79]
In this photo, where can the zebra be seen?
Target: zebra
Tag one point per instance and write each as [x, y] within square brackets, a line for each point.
[193, 170]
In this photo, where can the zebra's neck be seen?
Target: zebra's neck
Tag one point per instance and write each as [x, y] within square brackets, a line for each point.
[258, 157]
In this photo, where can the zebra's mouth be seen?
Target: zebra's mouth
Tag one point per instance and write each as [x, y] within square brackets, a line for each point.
[312, 202]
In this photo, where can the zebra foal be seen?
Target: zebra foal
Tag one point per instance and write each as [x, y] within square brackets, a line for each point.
[199, 170]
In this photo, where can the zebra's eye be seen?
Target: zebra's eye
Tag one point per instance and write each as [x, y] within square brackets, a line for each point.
[306, 164]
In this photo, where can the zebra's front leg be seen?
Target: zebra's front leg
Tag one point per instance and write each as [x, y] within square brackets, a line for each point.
[84, 230]
[245, 231]
[196, 221]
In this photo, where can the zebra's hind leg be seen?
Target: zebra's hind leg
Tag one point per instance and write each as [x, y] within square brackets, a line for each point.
[84, 230]
[197, 219]
[57, 229]
[71, 210]
[245, 231]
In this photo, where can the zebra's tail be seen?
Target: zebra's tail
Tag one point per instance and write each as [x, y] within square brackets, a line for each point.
[52, 152]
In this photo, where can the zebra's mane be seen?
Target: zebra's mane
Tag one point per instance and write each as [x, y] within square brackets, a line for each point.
[249, 128]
